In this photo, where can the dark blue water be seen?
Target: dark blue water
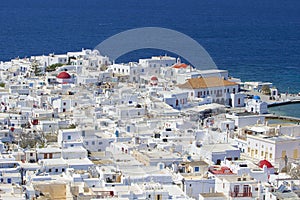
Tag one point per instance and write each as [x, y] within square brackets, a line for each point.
[253, 39]
[287, 110]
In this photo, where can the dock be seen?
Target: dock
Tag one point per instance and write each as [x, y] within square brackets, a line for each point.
[285, 118]
[286, 99]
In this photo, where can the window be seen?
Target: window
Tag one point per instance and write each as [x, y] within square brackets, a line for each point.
[100, 143]
[56, 170]
[65, 103]
[283, 154]
[262, 153]
[86, 143]
[31, 154]
[50, 170]
[295, 154]
[69, 137]
[271, 155]
[236, 189]
[93, 142]
[196, 169]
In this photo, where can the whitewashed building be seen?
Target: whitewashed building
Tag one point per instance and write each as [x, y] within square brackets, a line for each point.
[273, 148]
[218, 89]
[256, 105]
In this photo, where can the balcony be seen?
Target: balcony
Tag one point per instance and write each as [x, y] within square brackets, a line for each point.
[243, 194]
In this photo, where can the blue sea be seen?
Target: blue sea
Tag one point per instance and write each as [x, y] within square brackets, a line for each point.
[256, 40]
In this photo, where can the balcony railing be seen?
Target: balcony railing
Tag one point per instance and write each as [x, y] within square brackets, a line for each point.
[243, 194]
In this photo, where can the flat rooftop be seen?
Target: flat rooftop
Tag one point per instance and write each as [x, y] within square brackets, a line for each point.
[218, 147]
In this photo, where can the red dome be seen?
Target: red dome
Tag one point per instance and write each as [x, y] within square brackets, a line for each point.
[265, 162]
[63, 75]
[154, 78]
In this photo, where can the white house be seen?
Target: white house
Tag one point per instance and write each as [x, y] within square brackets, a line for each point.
[53, 166]
[65, 104]
[215, 153]
[50, 152]
[69, 138]
[74, 153]
[256, 105]
[273, 148]
[157, 61]
[51, 59]
[195, 178]
[130, 70]
[174, 98]
[237, 100]
[237, 187]
[21, 89]
[217, 88]
[48, 126]
[96, 142]
[245, 119]
[129, 112]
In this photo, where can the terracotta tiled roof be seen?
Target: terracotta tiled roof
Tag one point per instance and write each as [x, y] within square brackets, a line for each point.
[198, 83]
[179, 65]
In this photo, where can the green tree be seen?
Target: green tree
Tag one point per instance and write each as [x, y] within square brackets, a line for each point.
[265, 89]
[53, 67]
